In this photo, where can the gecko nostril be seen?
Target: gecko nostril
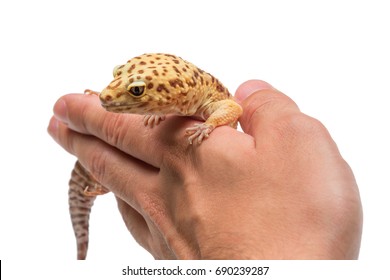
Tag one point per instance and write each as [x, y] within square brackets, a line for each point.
[105, 98]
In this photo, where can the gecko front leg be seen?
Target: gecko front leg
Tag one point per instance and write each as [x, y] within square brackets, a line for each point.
[223, 112]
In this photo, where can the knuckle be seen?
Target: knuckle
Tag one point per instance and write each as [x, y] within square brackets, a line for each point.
[114, 130]
[307, 125]
[97, 163]
[300, 127]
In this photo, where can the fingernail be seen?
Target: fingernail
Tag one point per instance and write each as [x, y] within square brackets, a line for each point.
[249, 87]
[61, 111]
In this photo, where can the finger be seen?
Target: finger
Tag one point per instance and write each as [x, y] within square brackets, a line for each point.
[135, 223]
[249, 87]
[147, 231]
[262, 105]
[117, 171]
[83, 113]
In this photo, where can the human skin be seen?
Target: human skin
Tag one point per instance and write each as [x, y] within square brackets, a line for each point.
[278, 190]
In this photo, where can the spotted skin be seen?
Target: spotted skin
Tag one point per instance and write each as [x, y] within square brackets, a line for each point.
[80, 206]
[153, 85]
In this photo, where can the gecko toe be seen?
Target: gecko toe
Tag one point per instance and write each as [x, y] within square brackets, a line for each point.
[152, 120]
[199, 132]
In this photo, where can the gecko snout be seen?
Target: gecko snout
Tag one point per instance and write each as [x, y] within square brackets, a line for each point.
[105, 97]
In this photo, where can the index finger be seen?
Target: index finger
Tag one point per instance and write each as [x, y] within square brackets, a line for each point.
[84, 114]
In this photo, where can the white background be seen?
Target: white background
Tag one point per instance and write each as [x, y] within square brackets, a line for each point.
[331, 57]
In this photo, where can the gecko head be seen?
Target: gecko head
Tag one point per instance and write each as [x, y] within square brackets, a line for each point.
[129, 98]
[144, 85]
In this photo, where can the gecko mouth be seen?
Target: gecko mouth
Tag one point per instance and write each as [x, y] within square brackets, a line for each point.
[120, 107]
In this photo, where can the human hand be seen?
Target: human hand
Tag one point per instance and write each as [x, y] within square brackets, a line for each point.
[281, 190]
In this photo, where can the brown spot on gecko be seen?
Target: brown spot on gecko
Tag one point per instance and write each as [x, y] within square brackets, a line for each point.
[150, 85]
[142, 63]
[132, 67]
[155, 72]
[170, 55]
[152, 61]
[200, 71]
[219, 87]
[149, 78]
[115, 85]
[191, 84]
[162, 87]
[140, 71]
[176, 69]
[108, 98]
[131, 80]
[184, 69]
[176, 82]
[176, 61]
[116, 79]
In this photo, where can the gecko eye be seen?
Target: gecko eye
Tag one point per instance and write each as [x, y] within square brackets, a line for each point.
[136, 89]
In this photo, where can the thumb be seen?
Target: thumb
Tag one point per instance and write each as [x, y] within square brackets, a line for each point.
[262, 104]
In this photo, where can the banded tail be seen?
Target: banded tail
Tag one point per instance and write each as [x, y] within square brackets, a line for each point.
[80, 203]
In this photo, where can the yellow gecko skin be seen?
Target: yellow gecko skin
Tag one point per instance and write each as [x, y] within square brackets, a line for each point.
[154, 85]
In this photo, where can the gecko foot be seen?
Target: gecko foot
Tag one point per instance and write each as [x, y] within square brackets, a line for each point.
[95, 190]
[199, 131]
[152, 120]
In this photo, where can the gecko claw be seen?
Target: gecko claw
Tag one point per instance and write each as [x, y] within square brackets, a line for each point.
[96, 190]
[199, 131]
[152, 120]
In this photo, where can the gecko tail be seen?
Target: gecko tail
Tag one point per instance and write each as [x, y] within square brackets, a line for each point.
[80, 207]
